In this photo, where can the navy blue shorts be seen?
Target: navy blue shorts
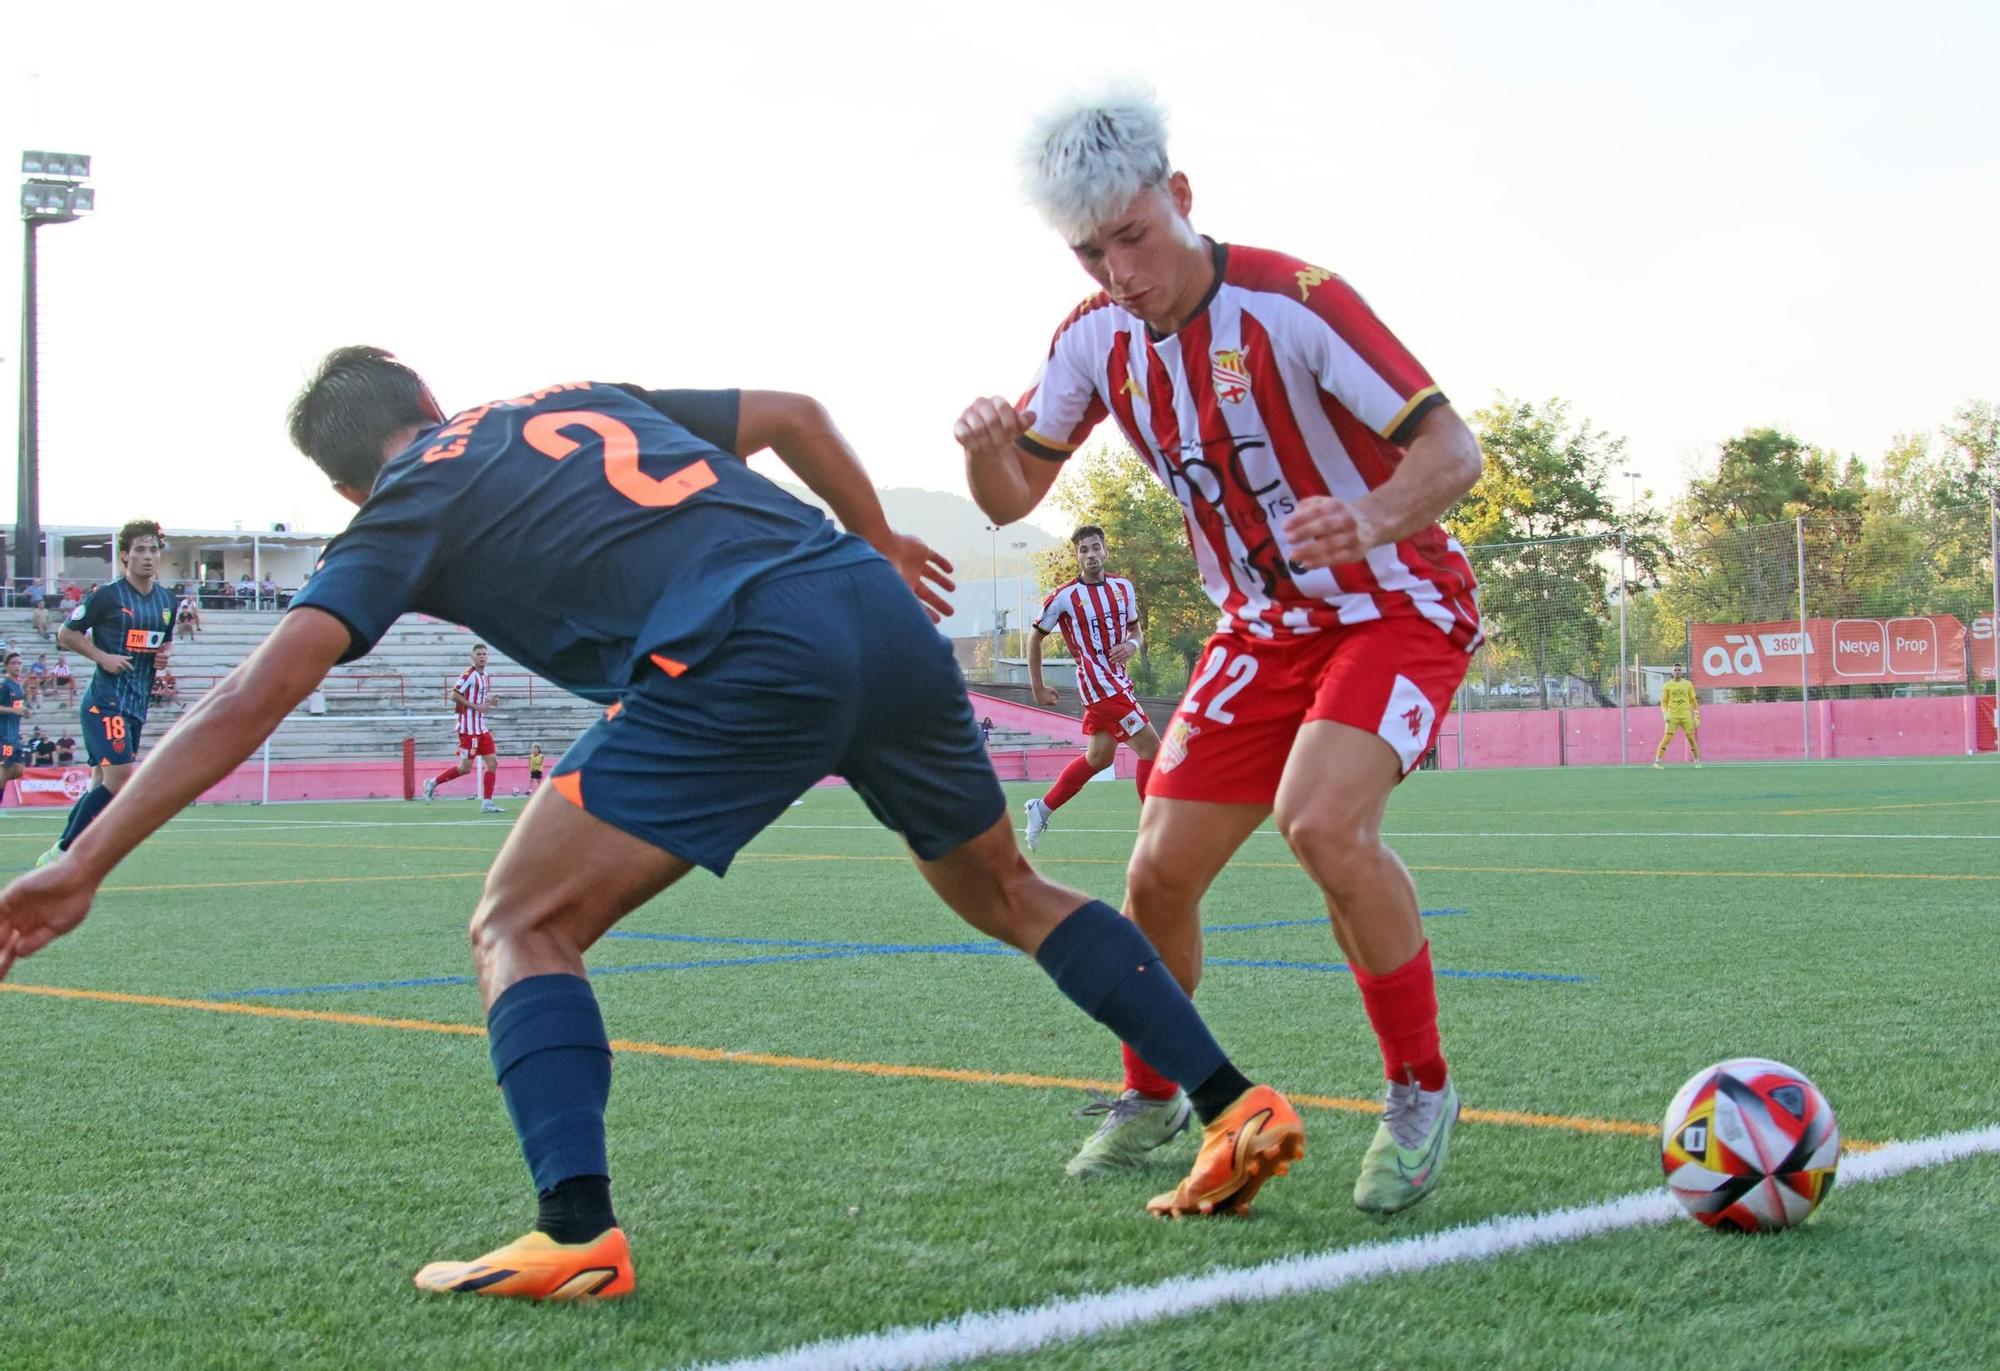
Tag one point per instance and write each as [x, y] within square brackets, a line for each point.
[109, 736]
[835, 672]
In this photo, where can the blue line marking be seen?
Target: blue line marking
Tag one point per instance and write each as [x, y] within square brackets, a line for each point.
[822, 949]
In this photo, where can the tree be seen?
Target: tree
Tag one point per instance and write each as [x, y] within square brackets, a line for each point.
[1106, 484]
[1542, 533]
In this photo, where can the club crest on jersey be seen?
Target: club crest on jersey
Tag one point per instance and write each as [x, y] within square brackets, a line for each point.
[1174, 745]
[1232, 375]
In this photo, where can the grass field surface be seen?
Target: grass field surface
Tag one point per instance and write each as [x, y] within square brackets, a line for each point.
[250, 1096]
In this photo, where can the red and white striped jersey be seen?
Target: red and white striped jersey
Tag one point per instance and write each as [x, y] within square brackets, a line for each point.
[1283, 386]
[473, 686]
[1094, 619]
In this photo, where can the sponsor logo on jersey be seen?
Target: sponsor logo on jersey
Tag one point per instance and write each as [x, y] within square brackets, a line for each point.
[1309, 278]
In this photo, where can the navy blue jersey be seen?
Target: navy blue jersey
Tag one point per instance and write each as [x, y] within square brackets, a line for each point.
[584, 530]
[10, 724]
[122, 621]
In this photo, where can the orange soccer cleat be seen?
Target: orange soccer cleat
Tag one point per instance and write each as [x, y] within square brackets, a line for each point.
[1256, 1138]
[537, 1267]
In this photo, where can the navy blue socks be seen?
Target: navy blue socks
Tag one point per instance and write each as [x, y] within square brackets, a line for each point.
[553, 1062]
[82, 812]
[1101, 960]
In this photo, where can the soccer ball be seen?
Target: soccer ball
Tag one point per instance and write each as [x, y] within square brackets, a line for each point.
[1750, 1145]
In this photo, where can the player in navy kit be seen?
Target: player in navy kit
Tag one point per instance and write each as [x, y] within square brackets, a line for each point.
[122, 626]
[13, 709]
[745, 647]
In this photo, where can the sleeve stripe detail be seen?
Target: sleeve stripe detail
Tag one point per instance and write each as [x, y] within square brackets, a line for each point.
[1413, 410]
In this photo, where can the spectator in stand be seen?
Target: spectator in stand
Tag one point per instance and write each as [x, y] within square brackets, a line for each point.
[42, 618]
[70, 598]
[38, 678]
[42, 749]
[60, 679]
[267, 594]
[986, 731]
[65, 751]
[190, 617]
[246, 592]
[166, 690]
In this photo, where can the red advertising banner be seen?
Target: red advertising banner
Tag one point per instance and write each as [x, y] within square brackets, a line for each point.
[1836, 651]
[51, 785]
[1985, 648]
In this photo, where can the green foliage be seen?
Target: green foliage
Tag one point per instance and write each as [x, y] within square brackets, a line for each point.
[1542, 533]
[1106, 484]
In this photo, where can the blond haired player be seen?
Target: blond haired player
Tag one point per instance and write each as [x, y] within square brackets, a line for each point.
[1312, 456]
[1679, 710]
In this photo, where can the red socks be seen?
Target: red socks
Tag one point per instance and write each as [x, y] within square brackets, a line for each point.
[1402, 1006]
[492, 775]
[1145, 1080]
[1145, 770]
[449, 774]
[1072, 779]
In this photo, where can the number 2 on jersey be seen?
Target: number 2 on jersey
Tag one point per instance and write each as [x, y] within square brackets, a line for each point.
[544, 433]
[1240, 670]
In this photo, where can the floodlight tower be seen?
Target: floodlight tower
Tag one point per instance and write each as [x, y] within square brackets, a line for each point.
[52, 192]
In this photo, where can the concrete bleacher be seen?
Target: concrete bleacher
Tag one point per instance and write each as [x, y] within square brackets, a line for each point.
[397, 691]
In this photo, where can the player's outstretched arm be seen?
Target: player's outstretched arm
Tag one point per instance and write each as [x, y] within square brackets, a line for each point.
[1006, 482]
[1441, 463]
[214, 738]
[802, 433]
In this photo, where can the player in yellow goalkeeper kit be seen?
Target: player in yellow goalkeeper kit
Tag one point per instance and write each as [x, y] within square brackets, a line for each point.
[1679, 710]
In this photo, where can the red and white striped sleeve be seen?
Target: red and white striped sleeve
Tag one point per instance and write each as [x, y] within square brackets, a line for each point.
[1352, 354]
[1064, 398]
[1053, 609]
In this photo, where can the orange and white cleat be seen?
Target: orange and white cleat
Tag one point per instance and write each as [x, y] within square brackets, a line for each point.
[1258, 1137]
[537, 1267]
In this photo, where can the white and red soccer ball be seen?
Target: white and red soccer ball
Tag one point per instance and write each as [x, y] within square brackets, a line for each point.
[1750, 1145]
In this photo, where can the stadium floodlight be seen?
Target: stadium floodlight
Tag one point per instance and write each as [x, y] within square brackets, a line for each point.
[51, 193]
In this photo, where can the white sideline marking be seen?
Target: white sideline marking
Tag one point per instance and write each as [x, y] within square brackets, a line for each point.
[1016, 1331]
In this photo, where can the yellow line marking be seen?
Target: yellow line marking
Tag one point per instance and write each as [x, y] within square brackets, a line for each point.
[881, 1070]
[1873, 809]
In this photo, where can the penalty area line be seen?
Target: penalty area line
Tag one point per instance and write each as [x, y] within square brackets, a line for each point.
[1014, 1332]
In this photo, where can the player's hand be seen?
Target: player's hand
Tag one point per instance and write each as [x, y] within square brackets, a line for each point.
[40, 907]
[1327, 531]
[1046, 695]
[927, 573]
[990, 426]
[1124, 652]
[114, 664]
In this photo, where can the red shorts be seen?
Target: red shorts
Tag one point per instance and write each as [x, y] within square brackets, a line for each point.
[1119, 715]
[475, 744]
[1230, 738]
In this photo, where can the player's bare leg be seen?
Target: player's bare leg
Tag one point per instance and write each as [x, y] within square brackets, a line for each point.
[1099, 960]
[1331, 799]
[562, 879]
[1182, 847]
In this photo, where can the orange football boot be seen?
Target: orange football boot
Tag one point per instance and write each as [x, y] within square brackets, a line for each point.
[1258, 1137]
[537, 1267]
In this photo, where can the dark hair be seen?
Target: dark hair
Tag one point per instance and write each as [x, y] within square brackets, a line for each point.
[357, 398]
[480, 647]
[137, 529]
[1087, 531]
[10, 657]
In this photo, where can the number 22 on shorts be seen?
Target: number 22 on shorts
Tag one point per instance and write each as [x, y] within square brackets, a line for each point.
[1236, 670]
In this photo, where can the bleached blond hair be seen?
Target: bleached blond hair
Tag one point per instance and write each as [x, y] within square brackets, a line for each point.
[1086, 158]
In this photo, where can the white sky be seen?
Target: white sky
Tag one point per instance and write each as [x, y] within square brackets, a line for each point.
[1686, 219]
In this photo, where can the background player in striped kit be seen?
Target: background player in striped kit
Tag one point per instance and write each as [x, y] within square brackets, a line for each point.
[1098, 616]
[123, 626]
[471, 695]
[1312, 455]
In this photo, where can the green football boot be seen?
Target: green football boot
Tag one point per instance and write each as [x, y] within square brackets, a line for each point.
[1406, 1160]
[1133, 1126]
[49, 856]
